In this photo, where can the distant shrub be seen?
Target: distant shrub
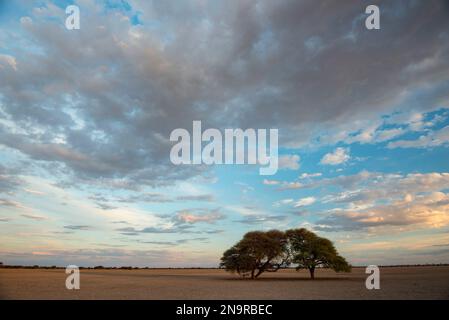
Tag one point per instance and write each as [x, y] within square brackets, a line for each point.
[127, 268]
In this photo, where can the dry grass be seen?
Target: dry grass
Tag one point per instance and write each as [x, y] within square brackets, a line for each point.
[396, 283]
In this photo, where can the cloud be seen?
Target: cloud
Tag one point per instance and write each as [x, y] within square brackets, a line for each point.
[389, 134]
[217, 231]
[291, 185]
[120, 222]
[259, 219]
[415, 121]
[184, 229]
[109, 203]
[270, 182]
[174, 243]
[77, 227]
[191, 217]
[105, 206]
[181, 222]
[369, 186]
[146, 197]
[9, 181]
[283, 202]
[310, 175]
[343, 181]
[339, 156]
[305, 202]
[373, 134]
[34, 192]
[376, 201]
[199, 197]
[34, 217]
[114, 131]
[375, 131]
[429, 140]
[290, 162]
[130, 231]
[428, 211]
[164, 243]
[245, 187]
[41, 253]
[8, 61]
[10, 203]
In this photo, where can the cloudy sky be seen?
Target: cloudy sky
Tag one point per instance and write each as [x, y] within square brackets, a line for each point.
[86, 115]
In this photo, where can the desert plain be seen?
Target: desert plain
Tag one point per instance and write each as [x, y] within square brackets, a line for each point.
[425, 282]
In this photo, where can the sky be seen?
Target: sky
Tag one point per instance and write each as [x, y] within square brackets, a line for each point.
[86, 116]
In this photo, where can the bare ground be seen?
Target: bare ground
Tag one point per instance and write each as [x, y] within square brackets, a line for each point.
[430, 282]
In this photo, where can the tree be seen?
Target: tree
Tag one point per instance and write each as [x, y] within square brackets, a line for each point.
[256, 253]
[310, 251]
[269, 251]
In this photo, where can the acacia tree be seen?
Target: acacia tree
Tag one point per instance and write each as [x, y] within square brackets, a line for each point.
[256, 253]
[310, 251]
[269, 251]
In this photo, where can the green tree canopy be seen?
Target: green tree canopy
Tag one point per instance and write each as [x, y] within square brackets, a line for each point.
[309, 251]
[269, 251]
[256, 253]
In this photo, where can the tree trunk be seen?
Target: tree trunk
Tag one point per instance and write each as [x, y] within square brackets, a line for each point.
[252, 274]
[312, 272]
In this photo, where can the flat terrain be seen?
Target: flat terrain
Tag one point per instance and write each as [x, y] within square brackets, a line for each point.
[396, 283]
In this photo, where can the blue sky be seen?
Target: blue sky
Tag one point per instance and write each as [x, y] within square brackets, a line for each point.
[86, 115]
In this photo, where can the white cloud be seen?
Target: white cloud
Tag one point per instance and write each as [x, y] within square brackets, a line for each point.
[305, 202]
[373, 134]
[416, 122]
[26, 21]
[283, 202]
[310, 175]
[432, 139]
[291, 185]
[339, 156]
[382, 203]
[389, 134]
[365, 136]
[35, 192]
[290, 162]
[428, 210]
[34, 217]
[9, 60]
[270, 182]
[371, 186]
[189, 217]
[373, 131]
[11, 203]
